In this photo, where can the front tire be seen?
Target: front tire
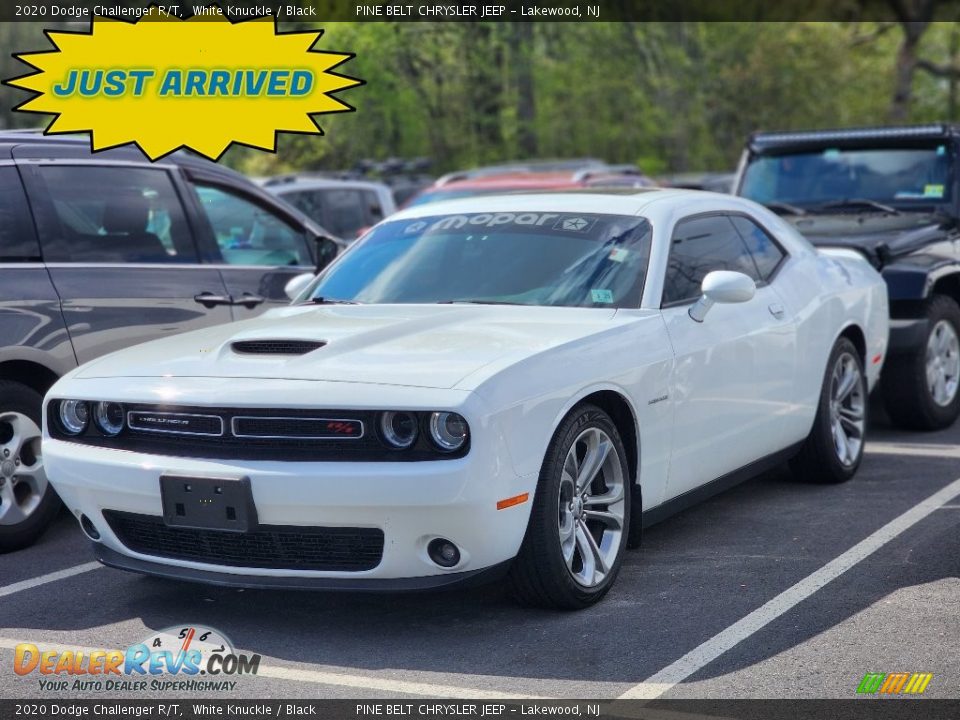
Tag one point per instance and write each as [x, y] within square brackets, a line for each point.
[834, 448]
[579, 523]
[921, 388]
[28, 503]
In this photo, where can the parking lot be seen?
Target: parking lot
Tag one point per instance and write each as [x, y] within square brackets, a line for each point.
[723, 601]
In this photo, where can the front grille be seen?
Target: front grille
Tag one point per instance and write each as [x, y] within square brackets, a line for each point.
[293, 427]
[276, 347]
[279, 547]
[244, 433]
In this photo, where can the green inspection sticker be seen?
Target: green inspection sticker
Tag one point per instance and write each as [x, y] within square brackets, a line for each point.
[933, 191]
[601, 296]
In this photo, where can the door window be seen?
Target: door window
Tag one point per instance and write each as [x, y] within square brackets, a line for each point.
[765, 251]
[249, 234]
[699, 246]
[113, 214]
[17, 238]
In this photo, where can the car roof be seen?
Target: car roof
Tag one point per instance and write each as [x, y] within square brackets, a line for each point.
[611, 201]
[34, 144]
[283, 186]
[761, 142]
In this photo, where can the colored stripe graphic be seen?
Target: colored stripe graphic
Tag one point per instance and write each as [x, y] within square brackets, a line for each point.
[894, 683]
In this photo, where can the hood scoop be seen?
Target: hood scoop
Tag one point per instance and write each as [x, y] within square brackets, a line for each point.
[276, 347]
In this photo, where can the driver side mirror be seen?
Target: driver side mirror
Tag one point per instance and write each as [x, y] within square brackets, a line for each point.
[722, 286]
[327, 250]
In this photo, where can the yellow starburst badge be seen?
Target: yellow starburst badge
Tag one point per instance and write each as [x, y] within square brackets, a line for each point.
[166, 83]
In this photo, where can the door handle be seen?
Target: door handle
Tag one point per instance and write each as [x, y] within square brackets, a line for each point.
[209, 300]
[250, 301]
[776, 309]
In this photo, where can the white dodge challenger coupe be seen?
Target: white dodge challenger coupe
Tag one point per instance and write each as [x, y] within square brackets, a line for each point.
[510, 384]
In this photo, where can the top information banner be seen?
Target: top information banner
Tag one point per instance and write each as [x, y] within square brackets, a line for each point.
[325, 11]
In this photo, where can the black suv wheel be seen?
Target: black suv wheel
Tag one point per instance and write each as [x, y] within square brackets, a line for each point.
[920, 388]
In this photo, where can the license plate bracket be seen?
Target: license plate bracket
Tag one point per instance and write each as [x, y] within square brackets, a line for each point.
[208, 503]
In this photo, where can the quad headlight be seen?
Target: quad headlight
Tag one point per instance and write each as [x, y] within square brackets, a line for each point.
[108, 417]
[448, 431]
[398, 429]
[74, 416]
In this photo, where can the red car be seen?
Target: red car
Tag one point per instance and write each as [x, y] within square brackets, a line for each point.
[458, 185]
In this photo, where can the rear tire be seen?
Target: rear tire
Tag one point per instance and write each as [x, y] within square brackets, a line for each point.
[834, 448]
[580, 519]
[28, 503]
[921, 388]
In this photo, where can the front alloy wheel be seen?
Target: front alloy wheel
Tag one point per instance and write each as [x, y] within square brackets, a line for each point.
[591, 507]
[847, 409]
[579, 522]
[834, 448]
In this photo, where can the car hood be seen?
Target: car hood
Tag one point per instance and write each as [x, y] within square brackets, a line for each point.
[434, 346]
[900, 233]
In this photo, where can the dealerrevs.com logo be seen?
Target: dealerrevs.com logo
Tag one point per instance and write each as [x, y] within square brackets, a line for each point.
[185, 658]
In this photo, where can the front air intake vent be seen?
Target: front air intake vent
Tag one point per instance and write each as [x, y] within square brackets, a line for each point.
[276, 347]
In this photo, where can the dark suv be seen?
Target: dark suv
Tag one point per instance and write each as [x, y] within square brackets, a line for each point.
[101, 251]
[892, 195]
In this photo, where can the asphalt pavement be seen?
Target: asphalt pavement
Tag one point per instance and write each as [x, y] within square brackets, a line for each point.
[774, 589]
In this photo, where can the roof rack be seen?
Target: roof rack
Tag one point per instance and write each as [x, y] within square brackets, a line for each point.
[521, 166]
[586, 174]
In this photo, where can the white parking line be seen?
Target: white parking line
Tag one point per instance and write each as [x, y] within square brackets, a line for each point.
[48, 578]
[918, 449]
[659, 683]
[318, 677]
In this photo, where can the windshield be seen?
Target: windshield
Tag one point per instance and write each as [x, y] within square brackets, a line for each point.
[528, 258]
[898, 177]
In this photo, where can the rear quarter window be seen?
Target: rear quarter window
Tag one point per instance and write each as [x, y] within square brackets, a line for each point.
[18, 239]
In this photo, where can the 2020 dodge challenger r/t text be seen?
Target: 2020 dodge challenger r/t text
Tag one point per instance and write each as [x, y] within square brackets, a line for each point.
[503, 384]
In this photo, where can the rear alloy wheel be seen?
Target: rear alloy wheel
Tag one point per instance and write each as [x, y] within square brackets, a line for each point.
[579, 522]
[27, 501]
[921, 388]
[834, 448]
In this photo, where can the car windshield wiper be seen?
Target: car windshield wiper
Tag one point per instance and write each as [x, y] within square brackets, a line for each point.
[782, 208]
[331, 301]
[859, 202]
[471, 301]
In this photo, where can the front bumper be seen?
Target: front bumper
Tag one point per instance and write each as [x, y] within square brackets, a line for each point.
[411, 502]
[459, 580]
